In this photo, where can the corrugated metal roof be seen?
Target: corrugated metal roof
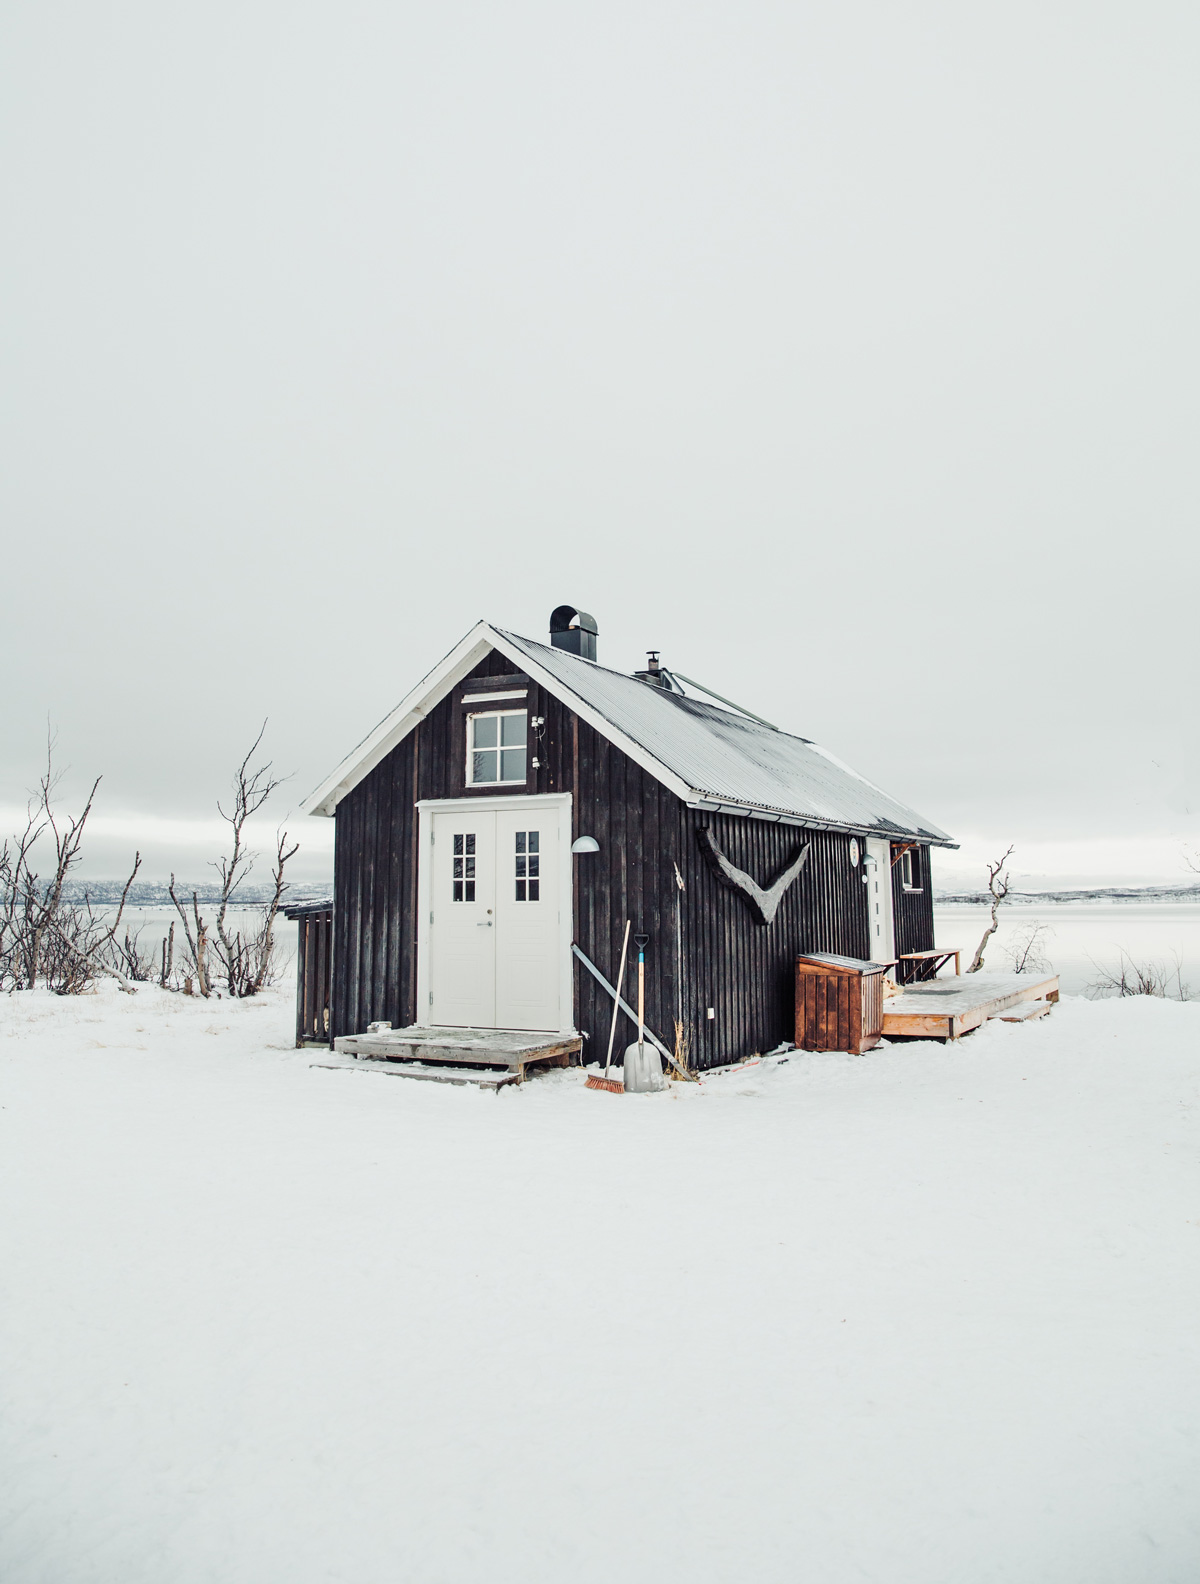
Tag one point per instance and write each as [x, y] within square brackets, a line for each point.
[728, 759]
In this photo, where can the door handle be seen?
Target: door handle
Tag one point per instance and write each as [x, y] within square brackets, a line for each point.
[484, 924]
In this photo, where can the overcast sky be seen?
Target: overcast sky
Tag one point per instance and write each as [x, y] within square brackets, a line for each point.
[848, 354]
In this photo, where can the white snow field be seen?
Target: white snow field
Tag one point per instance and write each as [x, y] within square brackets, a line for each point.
[928, 1316]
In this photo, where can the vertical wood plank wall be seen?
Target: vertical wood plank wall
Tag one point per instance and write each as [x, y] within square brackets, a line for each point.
[314, 940]
[741, 969]
[912, 911]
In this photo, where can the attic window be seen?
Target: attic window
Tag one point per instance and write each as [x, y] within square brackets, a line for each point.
[910, 869]
[496, 748]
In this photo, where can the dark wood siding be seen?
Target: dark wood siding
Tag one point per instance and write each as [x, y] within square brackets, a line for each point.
[314, 940]
[726, 960]
[743, 970]
[375, 868]
[912, 911]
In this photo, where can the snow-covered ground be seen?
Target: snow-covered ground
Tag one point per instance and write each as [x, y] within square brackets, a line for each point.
[927, 1316]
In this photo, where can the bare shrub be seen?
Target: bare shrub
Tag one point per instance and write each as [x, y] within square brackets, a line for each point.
[195, 935]
[167, 955]
[1026, 951]
[998, 888]
[129, 956]
[1130, 978]
[44, 938]
[243, 959]
[48, 938]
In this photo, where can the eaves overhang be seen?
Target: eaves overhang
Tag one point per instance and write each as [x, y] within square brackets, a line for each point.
[725, 805]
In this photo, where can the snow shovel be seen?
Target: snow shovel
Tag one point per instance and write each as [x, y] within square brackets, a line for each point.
[594, 1081]
[643, 1064]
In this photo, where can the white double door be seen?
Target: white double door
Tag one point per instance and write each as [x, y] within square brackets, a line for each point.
[494, 941]
[878, 872]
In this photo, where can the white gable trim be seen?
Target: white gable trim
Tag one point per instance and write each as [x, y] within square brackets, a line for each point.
[394, 728]
[428, 693]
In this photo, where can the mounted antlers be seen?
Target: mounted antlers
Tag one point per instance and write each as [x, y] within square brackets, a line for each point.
[765, 904]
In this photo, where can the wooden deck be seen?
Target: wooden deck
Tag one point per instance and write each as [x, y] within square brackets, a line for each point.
[513, 1052]
[946, 1008]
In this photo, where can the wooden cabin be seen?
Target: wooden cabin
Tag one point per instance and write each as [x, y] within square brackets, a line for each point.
[496, 831]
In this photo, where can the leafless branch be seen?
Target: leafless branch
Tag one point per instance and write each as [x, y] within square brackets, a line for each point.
[1130, 978]
[246, 958]
[43, 937]
[998, 882]
[197, 942]
[1027, 949]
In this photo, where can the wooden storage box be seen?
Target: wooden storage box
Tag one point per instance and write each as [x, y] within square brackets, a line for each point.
[839, 1003]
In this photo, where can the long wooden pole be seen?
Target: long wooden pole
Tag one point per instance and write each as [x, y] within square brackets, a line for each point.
[612, 1033]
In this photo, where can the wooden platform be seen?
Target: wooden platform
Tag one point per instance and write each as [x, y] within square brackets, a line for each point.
[513, 1052]
[481, 1077]
[946, 1008]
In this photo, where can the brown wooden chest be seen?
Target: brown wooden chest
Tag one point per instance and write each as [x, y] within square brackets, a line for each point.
[839, 1003]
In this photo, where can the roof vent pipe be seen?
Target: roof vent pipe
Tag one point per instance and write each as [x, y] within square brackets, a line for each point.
[657, 674]
[574, 630]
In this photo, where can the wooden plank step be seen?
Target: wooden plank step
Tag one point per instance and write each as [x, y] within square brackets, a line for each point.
[411, 1069]
[515, 1050]
[1021, 1014]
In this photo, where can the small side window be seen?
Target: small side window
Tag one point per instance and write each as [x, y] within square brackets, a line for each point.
[910, 869]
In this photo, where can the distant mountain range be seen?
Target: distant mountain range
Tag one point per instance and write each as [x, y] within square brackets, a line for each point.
[107, 892]
[1190, 893]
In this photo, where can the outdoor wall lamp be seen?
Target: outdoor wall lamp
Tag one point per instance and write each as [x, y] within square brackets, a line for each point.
[583, 844]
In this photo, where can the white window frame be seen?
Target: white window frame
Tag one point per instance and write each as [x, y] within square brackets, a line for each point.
[560, 801]
[498, 715]
[528, 878]
[906, 871]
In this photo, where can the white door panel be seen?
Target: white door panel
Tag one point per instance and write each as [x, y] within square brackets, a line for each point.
[463, 963]
[879, 899]
[527, 922]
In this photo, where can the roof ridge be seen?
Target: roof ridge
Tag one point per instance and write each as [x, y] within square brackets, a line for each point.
[707, 756]
[738, 716]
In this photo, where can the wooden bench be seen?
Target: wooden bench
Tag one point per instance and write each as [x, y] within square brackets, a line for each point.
[928, 964]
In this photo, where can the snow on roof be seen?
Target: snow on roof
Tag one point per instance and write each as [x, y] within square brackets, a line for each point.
[708, 756]
[725, 758]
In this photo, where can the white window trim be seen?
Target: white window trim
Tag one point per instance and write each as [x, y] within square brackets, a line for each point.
[561, 801]
[472, 717]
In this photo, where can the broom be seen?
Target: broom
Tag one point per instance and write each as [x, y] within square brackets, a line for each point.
[594, 1080]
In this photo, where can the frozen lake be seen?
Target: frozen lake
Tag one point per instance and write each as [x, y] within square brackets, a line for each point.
[1082, 935]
